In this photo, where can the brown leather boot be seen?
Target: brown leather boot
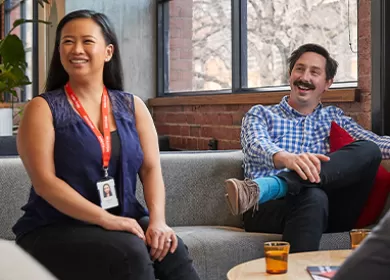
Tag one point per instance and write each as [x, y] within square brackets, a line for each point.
[241, 195]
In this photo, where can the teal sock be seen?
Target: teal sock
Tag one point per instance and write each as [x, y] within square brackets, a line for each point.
[271, 187]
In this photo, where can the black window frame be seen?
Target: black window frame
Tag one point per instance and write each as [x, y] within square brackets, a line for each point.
[239, 56]
[380, 73]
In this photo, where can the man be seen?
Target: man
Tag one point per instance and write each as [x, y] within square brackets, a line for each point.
[293, 184]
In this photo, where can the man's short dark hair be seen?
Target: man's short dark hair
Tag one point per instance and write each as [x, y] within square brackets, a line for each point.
[331, 64]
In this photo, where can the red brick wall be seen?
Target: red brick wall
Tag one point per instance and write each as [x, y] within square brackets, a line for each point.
[14, 15]
[192, 127]
[364, 62]
[180, 44]
[2, 21]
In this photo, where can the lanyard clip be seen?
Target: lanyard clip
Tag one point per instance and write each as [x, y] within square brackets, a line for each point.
[105, 169]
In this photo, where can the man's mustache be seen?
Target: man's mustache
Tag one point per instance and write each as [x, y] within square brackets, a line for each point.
[303, 84]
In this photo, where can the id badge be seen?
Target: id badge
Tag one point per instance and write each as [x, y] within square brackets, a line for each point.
[107, 193]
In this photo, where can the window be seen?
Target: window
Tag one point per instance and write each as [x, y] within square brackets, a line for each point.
[276, 28]
[200, 45]
[15, 9]
[229, 46]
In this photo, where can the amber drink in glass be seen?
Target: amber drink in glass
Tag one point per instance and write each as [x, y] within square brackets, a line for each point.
[357, 236]
[276, 256]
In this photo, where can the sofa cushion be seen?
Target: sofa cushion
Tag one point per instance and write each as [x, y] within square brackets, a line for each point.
[378, 195]
[194, 183]
[14, 190]
[216, 250]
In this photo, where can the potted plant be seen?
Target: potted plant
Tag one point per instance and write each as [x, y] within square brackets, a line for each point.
[12, 70]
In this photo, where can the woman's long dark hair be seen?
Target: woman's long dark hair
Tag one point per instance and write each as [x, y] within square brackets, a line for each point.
[112, 72]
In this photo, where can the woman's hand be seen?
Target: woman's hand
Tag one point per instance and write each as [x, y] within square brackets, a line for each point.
[119, 223]
[161, 239]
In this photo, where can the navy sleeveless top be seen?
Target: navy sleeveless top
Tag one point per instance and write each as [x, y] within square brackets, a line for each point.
[78, 161]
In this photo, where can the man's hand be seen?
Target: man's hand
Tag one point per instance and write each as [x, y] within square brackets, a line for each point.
[307, 165]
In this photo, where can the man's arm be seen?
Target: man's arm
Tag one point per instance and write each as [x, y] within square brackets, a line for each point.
[359, 133]
[255, 140]
[259, 147]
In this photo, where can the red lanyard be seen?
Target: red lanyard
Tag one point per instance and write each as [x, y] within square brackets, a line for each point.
[105, 142]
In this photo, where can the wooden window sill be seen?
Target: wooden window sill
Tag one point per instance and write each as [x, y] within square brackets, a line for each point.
[266, 98]
[5, 105]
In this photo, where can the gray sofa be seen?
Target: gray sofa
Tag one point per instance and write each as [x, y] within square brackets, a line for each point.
[196, 209]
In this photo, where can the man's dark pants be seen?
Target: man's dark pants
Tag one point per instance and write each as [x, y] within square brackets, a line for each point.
[333, 205]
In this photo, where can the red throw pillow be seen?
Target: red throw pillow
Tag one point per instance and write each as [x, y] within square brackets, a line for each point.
[376, 201]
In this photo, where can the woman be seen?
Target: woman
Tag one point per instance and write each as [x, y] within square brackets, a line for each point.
[87, 133]
[107, 190]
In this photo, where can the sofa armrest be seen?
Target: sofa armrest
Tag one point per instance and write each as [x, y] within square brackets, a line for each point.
[16, 264]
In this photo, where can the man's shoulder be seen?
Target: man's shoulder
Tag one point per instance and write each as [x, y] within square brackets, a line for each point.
[264, 109]
[332, 110]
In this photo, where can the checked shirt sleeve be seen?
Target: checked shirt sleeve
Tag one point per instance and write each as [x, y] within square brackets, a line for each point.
[359, 133]
[255, 140]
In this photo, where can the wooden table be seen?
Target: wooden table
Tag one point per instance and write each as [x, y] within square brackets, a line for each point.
[297, 264]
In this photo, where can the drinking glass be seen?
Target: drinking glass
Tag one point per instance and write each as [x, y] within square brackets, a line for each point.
[276, 256]
[357, 236]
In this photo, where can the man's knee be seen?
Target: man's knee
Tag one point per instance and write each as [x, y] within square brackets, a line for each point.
[306, 220]
[368, 150]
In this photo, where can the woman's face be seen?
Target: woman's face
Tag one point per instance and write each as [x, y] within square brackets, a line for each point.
[106, 189]
[83, 50]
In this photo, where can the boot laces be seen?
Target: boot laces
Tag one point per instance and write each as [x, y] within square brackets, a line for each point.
[252, 192]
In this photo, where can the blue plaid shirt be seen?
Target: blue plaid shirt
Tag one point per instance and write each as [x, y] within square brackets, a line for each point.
[267, 130]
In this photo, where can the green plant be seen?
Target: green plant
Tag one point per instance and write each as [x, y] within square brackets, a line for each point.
[13, 58]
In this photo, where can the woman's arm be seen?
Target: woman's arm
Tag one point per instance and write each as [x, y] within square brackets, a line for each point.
[159, 236]
[35, 142]
[150, 172]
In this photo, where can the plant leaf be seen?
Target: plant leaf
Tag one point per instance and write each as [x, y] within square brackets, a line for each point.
[19, 75]
[12, 51]
[23, 20]
[11, 78]
[3, 86]
[13, 92]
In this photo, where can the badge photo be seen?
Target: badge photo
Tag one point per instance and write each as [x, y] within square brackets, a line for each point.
[107, 193]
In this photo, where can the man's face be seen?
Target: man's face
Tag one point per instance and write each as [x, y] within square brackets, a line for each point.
[308, 81]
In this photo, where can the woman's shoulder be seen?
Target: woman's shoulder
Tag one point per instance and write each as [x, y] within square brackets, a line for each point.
[59, 106]
[124, 95]
[121, 95]
[52, 93]
[55, 98]
[121, 100]
[52, 97]
[118, 91]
